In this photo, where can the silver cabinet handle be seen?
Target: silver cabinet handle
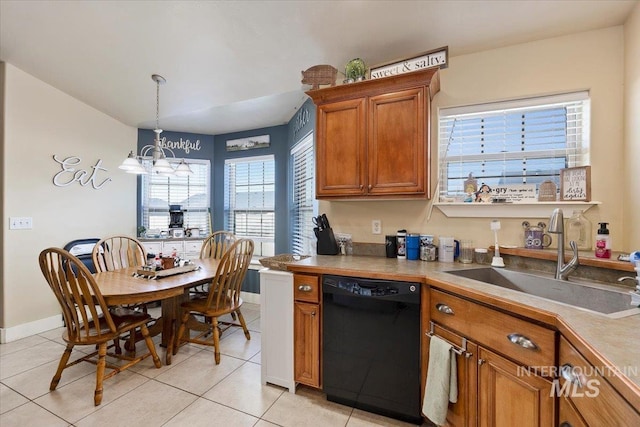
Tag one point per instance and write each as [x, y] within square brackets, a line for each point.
[481, 362]
[569, 373]
[565, 424]
[522, 341]
[313, 314]
[444, 308]
[305, 288]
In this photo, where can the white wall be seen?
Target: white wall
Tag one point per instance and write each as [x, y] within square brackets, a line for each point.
[41, 121]
[632, 128]
[592, 60]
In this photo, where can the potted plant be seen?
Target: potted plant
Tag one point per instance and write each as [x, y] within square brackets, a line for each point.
[355, 70]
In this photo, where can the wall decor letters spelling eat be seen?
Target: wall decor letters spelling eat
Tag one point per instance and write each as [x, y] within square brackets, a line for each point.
[70, 174]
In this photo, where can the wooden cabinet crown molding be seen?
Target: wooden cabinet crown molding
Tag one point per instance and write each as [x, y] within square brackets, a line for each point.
[429, 77]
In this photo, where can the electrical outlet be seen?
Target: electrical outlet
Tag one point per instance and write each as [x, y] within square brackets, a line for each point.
[20, 223]
[376, 226]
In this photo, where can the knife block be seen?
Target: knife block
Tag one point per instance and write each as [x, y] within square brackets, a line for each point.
[326, 244]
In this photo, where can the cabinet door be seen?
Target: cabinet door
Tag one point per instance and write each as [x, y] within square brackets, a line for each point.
[340, 148]
[508, 396]
[306, 321]
[398, 143]
[463, 412]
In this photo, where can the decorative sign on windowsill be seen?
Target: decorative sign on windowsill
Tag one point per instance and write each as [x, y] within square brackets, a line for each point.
[431, 59]
[261, 141]
[575, 184]
[517, 193]
[547, 192]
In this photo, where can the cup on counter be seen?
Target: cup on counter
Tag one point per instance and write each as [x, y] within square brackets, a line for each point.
[413, 246]
[466, 251]
[482, 256]
[447, 249]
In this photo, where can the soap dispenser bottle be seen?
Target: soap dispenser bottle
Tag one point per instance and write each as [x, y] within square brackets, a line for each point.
[603, 241]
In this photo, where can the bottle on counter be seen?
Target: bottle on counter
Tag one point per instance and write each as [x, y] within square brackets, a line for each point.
[578, 229]
[603, 241]
[401, 244]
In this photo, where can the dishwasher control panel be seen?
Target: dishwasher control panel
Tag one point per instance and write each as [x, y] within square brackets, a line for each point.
[371, 287]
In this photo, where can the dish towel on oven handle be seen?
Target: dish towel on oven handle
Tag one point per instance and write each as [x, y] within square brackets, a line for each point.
[442, 381]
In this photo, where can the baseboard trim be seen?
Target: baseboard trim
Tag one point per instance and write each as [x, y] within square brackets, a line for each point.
[250, 297]
[28, 329]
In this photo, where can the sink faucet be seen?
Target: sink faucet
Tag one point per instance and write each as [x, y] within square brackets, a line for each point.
[556, 226]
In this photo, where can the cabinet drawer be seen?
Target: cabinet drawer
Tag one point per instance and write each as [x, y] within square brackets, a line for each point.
[169, 246]
[594, 398]
[192, 247]
[152, 247]
[522, 341]
[306, 288]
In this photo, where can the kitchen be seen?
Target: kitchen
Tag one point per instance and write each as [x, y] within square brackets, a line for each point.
[33, 108]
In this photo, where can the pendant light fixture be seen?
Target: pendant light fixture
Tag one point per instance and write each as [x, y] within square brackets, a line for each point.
[155, 152]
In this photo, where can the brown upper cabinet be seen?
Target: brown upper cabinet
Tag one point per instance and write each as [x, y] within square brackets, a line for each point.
[373, 137]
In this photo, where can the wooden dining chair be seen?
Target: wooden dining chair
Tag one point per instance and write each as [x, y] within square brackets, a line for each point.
[214, 246]
[223, 298]
[114, 253]
[88, 319]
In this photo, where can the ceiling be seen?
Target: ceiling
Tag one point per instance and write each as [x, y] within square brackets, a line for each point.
[235, 65]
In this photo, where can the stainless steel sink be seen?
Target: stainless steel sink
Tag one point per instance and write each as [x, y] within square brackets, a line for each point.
[611, 300]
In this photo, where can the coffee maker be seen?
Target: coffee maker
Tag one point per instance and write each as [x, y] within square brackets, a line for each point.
[176, 221]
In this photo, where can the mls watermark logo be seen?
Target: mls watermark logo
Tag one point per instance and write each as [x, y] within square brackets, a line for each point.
[575, 388]
[578, 381]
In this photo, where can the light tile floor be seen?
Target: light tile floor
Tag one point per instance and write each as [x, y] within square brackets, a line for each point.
[192, 391]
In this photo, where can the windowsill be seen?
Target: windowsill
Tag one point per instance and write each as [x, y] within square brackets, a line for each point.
[586, 258]
[509, 210]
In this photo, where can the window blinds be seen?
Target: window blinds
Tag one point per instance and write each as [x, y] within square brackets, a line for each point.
[303, 194]
[191, 192]
[512, 142]
[249, 200]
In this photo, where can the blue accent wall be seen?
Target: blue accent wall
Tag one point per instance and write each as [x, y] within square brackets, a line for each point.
[213, 147]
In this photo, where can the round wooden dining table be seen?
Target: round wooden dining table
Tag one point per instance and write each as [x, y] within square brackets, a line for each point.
[124, 286]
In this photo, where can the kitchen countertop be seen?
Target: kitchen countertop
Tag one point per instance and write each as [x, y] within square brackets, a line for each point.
[607, 342]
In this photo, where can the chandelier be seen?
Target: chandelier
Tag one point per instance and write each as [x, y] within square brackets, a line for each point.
[155, 152]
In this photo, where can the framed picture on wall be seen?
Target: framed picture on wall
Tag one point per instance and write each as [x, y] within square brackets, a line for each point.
[250, 143]
[575, 184]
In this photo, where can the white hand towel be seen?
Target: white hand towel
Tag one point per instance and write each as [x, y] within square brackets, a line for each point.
[442, 381]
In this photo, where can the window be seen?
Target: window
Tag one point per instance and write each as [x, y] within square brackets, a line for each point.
[249, 201]
[514, 142]
[191, 192]
[303, 193]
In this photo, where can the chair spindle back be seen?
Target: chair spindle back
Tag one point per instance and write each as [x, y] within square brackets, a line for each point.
[216, 244]
[226, 285]
[78, 294]
[116, 252]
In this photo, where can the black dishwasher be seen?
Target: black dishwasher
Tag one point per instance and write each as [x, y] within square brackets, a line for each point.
[371, 345]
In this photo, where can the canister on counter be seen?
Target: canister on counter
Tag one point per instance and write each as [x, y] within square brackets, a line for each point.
[428, 251]
[401, 243]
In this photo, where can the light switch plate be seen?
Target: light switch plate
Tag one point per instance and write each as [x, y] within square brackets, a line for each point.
[20, 223]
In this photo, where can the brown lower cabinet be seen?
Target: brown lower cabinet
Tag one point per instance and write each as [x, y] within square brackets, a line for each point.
[307, 321]
[507, 397]
[495, 389]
